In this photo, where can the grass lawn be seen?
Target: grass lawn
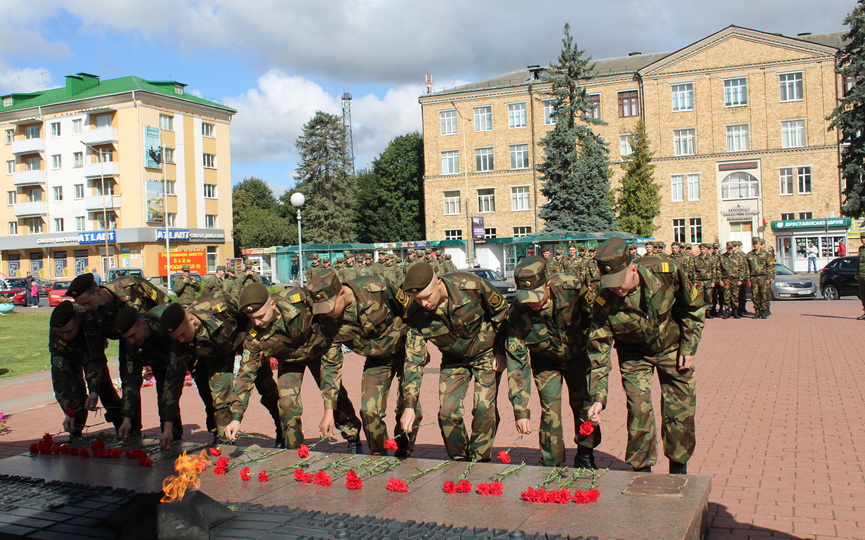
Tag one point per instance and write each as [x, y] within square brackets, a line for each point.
[24, 343]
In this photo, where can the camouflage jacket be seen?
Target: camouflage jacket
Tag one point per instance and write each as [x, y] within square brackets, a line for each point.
[553, 337]
[126, 291]
[245, 279]
[313, 270]
[575, 265]
[662, 316]
[731, 268]
[372, 326]
[231, 285]
[448, 267]
[860, 266]
[69, 359]
[465, 326]
[742, 262]
[555, 266]
[186, 290]
[349, 272]
[221, 333]
[761, 264]
[156, 352]
[592, 273]
[706, 270]
[295, 336]
[213, 284]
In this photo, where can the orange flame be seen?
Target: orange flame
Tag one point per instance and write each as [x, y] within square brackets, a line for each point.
[188, 469]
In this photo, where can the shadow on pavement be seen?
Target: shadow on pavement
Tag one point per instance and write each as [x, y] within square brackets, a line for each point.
[722, 524]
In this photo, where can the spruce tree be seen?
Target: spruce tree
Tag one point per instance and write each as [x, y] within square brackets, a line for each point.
[849, 116]
[324, 181]
[638, 202]
[576, 169]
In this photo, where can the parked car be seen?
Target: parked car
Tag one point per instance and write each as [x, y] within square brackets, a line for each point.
[788, 284]
[114, 273]
[44, 285]
[16, 294]
[57, 293]
[507, 290]
[838, 278]
[178, 275]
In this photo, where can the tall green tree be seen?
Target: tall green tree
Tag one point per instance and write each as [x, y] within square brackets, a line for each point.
[576, 168]
[388, 205]
[638, 202]
[849, 116]
[257, 218]
[324, 181]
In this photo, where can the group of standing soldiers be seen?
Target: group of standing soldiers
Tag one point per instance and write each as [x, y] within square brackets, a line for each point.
[388, 265]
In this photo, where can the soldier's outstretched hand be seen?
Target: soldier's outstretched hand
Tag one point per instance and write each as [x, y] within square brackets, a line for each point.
[684, 363]
[91, 401]
[68, 423]
[327, 425]
[524, 426]
[232, 429]
[594, 412]
[166, 437]
[124, 429]
[406, 422]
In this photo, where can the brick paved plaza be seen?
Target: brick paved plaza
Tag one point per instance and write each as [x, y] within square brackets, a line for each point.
[781, 409]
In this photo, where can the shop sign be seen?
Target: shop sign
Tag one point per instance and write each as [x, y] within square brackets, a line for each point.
[197, 261]
[739, 212]
[96, 237]
[173, 234]
[811, 223]
[738, 166]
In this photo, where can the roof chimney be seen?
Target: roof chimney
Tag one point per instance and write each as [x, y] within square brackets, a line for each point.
[534, 71]
[635, 53]
[800, 34]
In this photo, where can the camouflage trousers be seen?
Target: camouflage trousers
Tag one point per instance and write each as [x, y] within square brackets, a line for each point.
[453, 385]
[375, 385]
[107, 394]
[706, 292]
[159, 374]
[761, 292]
[70, 391]
[731, 295]
[678, 407]
[221, 377]
[290, 380]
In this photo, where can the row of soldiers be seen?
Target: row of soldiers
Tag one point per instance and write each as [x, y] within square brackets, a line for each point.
[388, 265]
[226, 279]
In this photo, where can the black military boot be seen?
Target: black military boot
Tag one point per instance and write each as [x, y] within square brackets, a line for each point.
[725, 314]
[709, 315]
[279, 441]
[355, 446]
[736, 314]
[678, 468]
[585, 459]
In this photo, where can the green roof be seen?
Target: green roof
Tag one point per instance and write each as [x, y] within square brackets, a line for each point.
[84, 86]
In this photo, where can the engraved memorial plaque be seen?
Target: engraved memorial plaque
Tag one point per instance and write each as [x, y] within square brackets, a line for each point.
[656, 485]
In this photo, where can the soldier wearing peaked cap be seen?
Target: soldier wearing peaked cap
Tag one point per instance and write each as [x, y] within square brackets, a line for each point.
[650, 313]
[761, 268]
[215, 282]
[186, 286]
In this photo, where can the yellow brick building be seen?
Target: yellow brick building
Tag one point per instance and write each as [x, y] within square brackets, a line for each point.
[78, 172]
[736, 122]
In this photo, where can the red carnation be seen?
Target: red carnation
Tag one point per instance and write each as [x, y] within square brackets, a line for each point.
[244, 474]
[216, 452]
[534, 495]
[84, 453]
[70, 412]
[352, 480]
[503, 457]
[321, 478]
[55, 448]
[262, 476]
[449, 487]
[493, 488]
[220, 471]
[395, 484]
[390, 444]
[222, 462]
[562, 496]
[146, 462]
[303, 451]
[64, 449]
[587, 496]
[34, 448]
[464, 486]
[98, 445]
[587, 428]
[302, 476]
[47, 438]
[73, 451]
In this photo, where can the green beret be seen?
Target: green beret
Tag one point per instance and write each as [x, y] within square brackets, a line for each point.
[126, 319]
[80, 285]
[324, 288]
[531, 278]
[63, 313]
[253, 297]
[172, 317]
[220, 267]
[418, 277]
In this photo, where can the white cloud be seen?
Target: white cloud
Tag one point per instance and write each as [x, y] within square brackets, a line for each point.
[24, 80]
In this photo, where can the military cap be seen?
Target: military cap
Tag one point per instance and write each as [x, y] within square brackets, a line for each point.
[705, 245]
[676, 244]
[185, 268]
[230, 269]
[687, 246]
[649, 244]
[427, 251]
[730, 244]
[613, 261]
[220, 267]
[253, 297]
[397, 259]
[172, 317]
[80, 285]
[531, 278]
[418, 252]
[546, 249]
[340, 259]
[126, 319]
[448, 256]
[388, 257]
[632, 246]
[418, 277]
[660, 244]
[581, 247]
[315, 256]
[757, 240]
[62, 314]
[325, 288]
[593, 248]
[560, 249]
[716, 245]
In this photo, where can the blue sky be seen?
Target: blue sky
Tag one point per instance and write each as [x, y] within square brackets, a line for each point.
[278, 61]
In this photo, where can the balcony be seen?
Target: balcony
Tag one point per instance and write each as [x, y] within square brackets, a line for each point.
[103, 135]
[28, 146]
[95, 170]
[97, 203]
[28, 178]
[31, 209]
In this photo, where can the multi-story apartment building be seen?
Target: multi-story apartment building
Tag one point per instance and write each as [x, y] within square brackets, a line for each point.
[95, 169]
[737, 123]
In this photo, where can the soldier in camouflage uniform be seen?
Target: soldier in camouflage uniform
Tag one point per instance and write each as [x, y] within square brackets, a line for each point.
[249, 276]
[185, 287]
[731, 280]
[632, 252]
[366, 315]
[651, 314]
[545, 253]
[432, 260]
[215, 282]
[349, 268]
[72, 363]
[325, 265]
[573, 262]
[706, 273]
[557, 264]
[208, 334]
[761, 268]
[591, 274]
[546, 325]
[461, 314]
[230, 284]
[283, 327]
[448, 266]
[339, 268]
[650, 249]
[146, 345]
[314, 268]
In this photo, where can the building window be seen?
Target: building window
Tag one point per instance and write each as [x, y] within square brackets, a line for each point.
[684, 142]
[549, 109]
[13, 228]
[76, 126]
[483, 159]
[450, 162]
[169, 155]
[735, 92]
[79, 223]
[171, 219]
[451, 203]
[10, 166]
[791, 86]
[625, 145]
[677, 188]
[34, 195]
[58, 224]
[486, 200]
[100, 221]
[166, 122]
[792, 133]
[208, 130]
[679, 229]
[55, 129]
[33, 164]
[209, 191]
[520, 198]
[56, 162]
[210, 221]
[34, 226]
[683, 97]
[522, 231]
[79, 191]
[788, 216]
[209, 161]
[483, 118]
[517, 115]
[806, 215]
[453, 234]
[32, 132]
[740, 185]
[10, 197]
[109, 187]
[169, 187]
[103, 121]
[448, 121]
[10, 136]
[593, 106]
[785, 177]
[693, 187]
[519, 156]
[77, 159]
[629, 104]
[489, 233]
[803, 175]
[737, 138]
[695, 230]
[58, 193]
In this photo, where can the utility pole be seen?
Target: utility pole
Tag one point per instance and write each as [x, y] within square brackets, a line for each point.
[348, 157]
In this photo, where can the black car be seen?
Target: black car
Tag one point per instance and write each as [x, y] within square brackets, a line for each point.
[507, 290]
[838, 278]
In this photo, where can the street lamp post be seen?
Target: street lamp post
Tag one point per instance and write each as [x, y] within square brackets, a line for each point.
[297, 200]
[104, 204]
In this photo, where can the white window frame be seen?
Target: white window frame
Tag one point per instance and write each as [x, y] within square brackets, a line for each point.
[490, 232]
[448, 122]
[170, 186]
[450, 162]
[625, 149]
[77, 126]
[682, 97]
[55, 129]
[13, 228]
[166, 122]
[57, 191]
[33, 132]
[804, 181]
[594, 106]
[793, 133]
[752, 188]
[738, 138]
[483, 118]
[519, 154]
[77, 160]
[451, 204]
[679, 229]
[693, 181]
[521, 198]
[33, 164]
[484, 159]
[35, 225]
[677, 187]
[685, 142]
[171, 218]
[58, 224]
[736, 92]
[211, 221]
[695, 230]
[79, 191]
[10, 136]
[486, 200]
[522, 231]
[210, 191]
[208, 130]
[169, 155]
[517, 115]
[208, 161]
[792, 86]
[549, 108]
[10, 166]
[453, 234]
[80, 223]
[10, 197]
[56, 162]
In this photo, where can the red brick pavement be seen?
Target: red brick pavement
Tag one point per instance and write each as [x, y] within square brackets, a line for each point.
[781, 409]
